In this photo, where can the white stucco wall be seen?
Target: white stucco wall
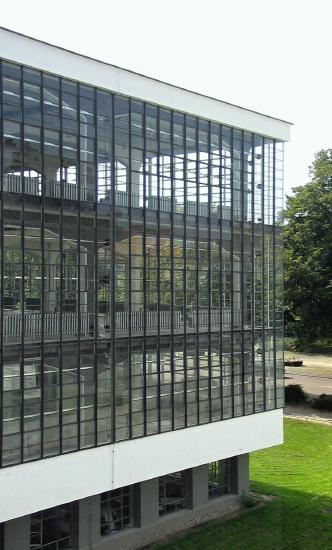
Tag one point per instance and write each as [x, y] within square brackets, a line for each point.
[37, 54]
[38, 485]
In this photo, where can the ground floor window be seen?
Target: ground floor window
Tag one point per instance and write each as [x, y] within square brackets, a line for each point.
[53, 529]
[172, 493]
[116, 510]
[221, 478]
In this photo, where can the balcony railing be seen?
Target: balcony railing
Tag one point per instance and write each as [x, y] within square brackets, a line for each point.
[14, 184]
[71, 191]
[31, 323]
[136, 322]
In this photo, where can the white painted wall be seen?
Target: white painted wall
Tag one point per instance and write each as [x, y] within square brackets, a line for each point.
[38, 485]
[43, 56]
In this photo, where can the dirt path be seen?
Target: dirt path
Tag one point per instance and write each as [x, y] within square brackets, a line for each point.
[307, 413]
[313, 363]
[315, 375]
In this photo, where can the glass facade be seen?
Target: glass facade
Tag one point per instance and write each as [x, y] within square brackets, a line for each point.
[141, 268]
[54, 528]
[172, 493]
[222, 477]
[116, 510]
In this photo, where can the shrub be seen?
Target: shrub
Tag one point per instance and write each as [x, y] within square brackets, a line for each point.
[290, 344]
[249, 500]
[294, 393]
[323, 402]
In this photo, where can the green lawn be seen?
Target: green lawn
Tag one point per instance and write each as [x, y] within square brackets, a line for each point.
[299, 473]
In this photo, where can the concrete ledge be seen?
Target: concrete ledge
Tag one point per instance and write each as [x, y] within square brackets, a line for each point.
[171, 524]
[34, 486]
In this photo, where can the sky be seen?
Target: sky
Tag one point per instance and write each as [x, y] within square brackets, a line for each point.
[269, 56]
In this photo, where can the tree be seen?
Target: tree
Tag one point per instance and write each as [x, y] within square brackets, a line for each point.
[308, 254]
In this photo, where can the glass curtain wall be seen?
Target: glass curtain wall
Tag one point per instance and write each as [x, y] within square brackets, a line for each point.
[141, 268]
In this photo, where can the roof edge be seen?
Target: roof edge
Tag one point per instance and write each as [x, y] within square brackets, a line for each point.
[143, 75]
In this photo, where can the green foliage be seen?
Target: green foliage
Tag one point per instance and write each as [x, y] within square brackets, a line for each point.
[294, 393]
[308, 255]
[323, 402]
[290, 344]
[249, 500]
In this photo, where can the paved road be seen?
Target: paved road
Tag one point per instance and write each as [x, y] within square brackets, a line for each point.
[312, 384]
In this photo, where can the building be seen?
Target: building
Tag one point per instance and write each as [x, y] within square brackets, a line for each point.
[141, 299]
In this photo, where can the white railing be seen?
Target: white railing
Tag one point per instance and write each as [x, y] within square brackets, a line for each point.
[212, 317]
[14, 322]
[32, 186]
[193, 207]
[121, 198]
[69, 191]
[163, 203]
[14, 184]
[137, 321]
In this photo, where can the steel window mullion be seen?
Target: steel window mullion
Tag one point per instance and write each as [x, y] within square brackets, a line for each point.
[144, 272]
[42, 238]
[22, 270]
[112, 282]
[197, 275]
[253, 275]
[221, 378]
[78, 252]
[61, 280]
[242, 286]
[96, 284]
[158, 270]
[172, 268]
[232, 269]
[209, 274]
[184, 137]
[263, 272]
[1, 272]
[130, 374]
[274, 272]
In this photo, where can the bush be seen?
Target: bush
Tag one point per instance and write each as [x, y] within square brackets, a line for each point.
[323, 402]
[294, 393]
[249, 500]
[290, 344]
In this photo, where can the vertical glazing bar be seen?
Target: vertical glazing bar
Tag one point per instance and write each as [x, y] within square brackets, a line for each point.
[197, 276]
[96, 285]
[61, 279]
[172, 267]
[252, 288]
[209, 272]
[144, 272]
[42, 242]
[263, 274]
[2, 252]
[184, 137]
[221, 325]
[274, 273]
[112, 282]
[22, 270]
[129, 190]
[78, 260]
[242, 284]
[158, 272]
[232, 271]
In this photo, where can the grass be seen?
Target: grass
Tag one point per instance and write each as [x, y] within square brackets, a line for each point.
[299, 474]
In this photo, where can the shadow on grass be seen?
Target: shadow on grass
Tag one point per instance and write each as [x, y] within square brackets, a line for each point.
[295, 520]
